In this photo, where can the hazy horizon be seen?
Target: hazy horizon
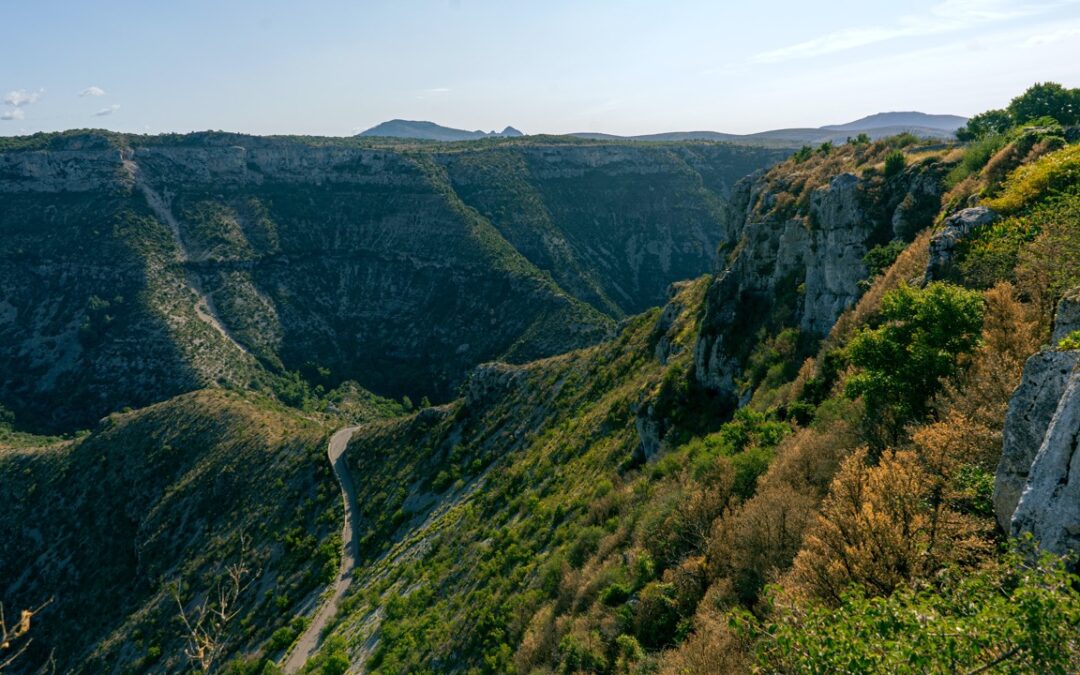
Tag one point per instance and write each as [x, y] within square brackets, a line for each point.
[332, 68]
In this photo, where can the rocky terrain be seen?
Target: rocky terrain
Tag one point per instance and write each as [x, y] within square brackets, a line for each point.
[1037, 487]
[137, 268]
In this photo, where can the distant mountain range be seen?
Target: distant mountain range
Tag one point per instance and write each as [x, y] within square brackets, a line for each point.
[875, 126]
[430, 131]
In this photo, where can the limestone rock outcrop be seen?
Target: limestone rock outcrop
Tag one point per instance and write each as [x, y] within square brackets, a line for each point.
[1067, 316]
[1037, 486]
[792, 265]
[956, 228]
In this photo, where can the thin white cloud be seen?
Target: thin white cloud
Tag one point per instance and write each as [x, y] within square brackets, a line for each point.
[21, 97]
[1052, 36]
[92, 91]
[944, 17]
[107, 111]
[434, 91]
[13, 114]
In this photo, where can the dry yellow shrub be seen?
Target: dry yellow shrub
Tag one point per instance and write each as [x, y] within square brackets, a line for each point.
[711, 648]
[808, 459]
[756, 542]
[539, 641]
[879, 526]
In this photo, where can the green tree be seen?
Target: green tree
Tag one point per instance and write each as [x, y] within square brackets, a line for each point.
[1046, 99]
[989, 123]
[920, 334]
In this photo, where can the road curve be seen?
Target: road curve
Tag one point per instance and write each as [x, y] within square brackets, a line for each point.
[308, 643]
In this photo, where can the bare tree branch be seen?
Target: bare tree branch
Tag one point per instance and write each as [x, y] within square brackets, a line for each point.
[12, 642]
[205, 625]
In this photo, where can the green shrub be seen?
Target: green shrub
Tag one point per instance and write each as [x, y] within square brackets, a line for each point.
[1019, 617]
[894, 163]
[1070, 341]
[880, 258]
[657, 618]
[976, 156]
[991, 253]
[583, 653]
[587, 543]
[332, 659]
[974, 489]
[615, 594]
[920, 335]
[281, 639]
[750, 465]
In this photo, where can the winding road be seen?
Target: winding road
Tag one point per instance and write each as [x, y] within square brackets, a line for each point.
[308, 643]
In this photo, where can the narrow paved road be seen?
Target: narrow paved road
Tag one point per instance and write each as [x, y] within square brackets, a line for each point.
[309, 642]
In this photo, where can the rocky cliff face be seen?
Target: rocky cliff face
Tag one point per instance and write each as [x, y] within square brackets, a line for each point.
[1037, 486]
[138, 268]
[795, 256]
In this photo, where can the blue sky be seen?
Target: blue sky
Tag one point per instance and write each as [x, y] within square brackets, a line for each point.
[335, 67]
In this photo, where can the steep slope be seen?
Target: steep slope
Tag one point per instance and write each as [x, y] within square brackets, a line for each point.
[159, 502]
[613, 225]
[142, 267]
[798, 255]
[460, 530]
[610, 510]
[509, 529]
[822, 414]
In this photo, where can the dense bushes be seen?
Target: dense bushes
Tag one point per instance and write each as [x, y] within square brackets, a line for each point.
[1017, 616]
[920, 336]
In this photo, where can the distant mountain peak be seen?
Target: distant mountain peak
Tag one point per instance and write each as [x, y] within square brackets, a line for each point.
[424, 130]
[910, 118]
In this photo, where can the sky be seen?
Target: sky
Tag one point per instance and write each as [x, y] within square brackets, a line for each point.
[336, 67]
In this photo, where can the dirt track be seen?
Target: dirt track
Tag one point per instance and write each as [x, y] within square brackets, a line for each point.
[309, 642]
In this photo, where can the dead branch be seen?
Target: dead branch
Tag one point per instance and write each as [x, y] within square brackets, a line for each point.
[12, 642]
[205, 624]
